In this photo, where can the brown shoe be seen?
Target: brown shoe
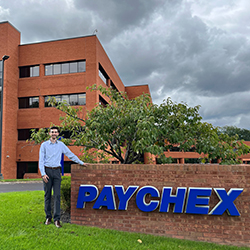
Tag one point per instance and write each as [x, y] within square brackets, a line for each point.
[48, 221]
[57, 224]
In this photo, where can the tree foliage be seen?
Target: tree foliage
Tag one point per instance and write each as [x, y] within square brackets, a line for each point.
[125, 129]
[242, 133]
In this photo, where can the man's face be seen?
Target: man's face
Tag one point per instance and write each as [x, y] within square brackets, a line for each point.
[53, 133]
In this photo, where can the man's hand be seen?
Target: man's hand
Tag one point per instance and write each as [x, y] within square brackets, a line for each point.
[45, 178]
[85, 165]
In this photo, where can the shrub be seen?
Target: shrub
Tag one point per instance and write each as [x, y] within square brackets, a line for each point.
[66, 193]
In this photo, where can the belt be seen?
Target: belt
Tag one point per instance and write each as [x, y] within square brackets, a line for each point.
[53, 168]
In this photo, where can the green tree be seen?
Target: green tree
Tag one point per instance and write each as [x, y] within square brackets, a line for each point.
[125, 129]
[242, 133]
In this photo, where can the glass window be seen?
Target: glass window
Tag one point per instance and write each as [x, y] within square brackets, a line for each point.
[24, 72]
[46, 101]
[32, 167]
[57, 69]
[112, 85]
[34, 102]
[67, 166]
[35, 71]
[81, 66]
[65, 68]
[73, 100]
[28, 102]
[102, 77]
[102, 74]
[102, 101]
[23, 103]
[48, 69]
[65, 98]
[23, 134]
[65, 134]
[73, 67]
[28, 71]
[81, 99]
[58, 98]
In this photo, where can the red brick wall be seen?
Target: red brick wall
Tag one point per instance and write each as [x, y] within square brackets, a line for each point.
[9, 41]
[223, 229]
[134, 91]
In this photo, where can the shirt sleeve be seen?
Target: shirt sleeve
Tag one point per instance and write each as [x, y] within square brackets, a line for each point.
[71, 156]
[41, 159]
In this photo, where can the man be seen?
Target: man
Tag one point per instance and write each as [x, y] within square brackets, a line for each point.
[49, 164]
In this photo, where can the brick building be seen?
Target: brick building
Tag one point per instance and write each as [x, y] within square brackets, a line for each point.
[60, 68]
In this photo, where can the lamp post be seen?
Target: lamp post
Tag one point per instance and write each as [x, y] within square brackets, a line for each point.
[4, 58]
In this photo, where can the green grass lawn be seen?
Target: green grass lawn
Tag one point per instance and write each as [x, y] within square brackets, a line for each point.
[22, 227]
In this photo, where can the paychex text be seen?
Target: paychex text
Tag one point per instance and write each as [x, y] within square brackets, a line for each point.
[192, 200]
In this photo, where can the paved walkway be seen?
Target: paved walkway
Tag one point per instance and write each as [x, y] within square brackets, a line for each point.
[20, 186]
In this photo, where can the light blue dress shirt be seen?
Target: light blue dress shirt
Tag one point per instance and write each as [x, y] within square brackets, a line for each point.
[50, 155]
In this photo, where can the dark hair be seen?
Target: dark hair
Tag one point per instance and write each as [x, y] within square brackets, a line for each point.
[54, 127]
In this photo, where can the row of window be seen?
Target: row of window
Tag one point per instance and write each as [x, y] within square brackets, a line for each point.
[104, 76]
[53, 69]
[65, 68]
[72, 99]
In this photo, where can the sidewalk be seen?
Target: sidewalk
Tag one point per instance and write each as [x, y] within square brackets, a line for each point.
[20, 186]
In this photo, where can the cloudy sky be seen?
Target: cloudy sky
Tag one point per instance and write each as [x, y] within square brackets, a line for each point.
[194, 51]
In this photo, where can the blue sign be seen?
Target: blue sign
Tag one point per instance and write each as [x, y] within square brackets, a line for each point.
[196, 199]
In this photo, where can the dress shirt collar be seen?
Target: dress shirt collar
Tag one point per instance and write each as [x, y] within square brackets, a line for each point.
[50, 142]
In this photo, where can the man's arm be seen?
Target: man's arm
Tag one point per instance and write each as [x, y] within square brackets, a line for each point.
[72, 156]
[41, 163]
[41, 159]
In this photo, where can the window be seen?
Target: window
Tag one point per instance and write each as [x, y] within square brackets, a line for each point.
[67, 167]
[28, 102]
[112, 86]
[29, 71]
[73, 67]
[49, 69]
[72, 99]
[26, 167]
[81, 99]
[57, 69]
[81, 66]
[68, 134]
[192, 160]
[65, 98]
[65, 68]
[102, 74]
[159, 161]
[32, 167]
[102, 102]
[174, 149]
[24, 134]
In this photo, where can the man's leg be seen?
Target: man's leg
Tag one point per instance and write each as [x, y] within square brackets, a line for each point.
[47, 194]
[57, 194]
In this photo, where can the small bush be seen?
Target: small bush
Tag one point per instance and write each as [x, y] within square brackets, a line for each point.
[66, 193]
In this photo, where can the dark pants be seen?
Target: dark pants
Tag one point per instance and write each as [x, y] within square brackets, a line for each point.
[55, 183]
